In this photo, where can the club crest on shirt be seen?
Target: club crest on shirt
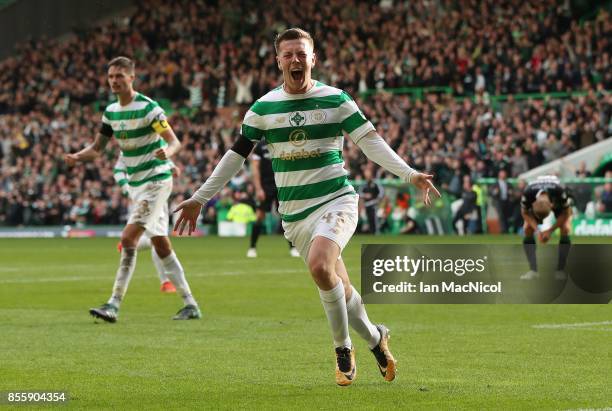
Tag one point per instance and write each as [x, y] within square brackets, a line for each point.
[317, 116]
[122, 134]
[297, 118]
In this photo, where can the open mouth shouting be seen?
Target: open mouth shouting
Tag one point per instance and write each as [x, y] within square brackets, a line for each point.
[297, 74]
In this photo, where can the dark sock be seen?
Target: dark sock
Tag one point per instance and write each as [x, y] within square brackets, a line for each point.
[529, 245]
[564, 247]
[255, 233]
[290, 245]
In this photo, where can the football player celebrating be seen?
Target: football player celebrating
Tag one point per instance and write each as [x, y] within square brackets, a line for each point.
[303, 122]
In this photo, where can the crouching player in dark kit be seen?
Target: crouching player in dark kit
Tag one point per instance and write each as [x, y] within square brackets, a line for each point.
[541, 196]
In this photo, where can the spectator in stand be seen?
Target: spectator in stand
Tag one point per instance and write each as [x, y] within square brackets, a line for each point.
[466, 219]
[515, 199]
[371, 193]
[519, 162]
[605, 203]
[501, 194]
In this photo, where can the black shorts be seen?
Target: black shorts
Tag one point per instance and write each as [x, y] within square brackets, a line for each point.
[271, 199]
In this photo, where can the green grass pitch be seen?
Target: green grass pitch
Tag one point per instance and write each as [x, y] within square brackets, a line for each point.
[264, 342]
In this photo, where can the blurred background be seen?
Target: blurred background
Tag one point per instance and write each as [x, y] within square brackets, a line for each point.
[484, 94]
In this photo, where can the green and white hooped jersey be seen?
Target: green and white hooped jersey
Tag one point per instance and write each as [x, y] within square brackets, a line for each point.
[304, 137]
[120, 173]
[133, 128]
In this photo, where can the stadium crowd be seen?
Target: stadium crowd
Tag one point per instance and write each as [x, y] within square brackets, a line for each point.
[209, 56]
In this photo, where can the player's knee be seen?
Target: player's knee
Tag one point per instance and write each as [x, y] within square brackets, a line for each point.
[564, 231]
[528, 230]
[163, 250]
[321, 271]
[162, 246]
[529, 239]
[348, 290]
[128, 241]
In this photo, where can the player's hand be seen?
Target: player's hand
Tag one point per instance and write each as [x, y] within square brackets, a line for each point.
[545, 236]
[190, 210]
[176, 172]
[161, 154]
[260, 194]
[424, 183]
[71, 159]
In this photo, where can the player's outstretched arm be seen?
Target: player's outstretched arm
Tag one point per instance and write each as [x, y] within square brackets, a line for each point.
[228, 167]
[424, 182]
[377, 150]
[89, 153]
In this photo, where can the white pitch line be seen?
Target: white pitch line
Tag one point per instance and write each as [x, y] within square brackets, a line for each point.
[574, 325]
[50, 280]
[97, 278]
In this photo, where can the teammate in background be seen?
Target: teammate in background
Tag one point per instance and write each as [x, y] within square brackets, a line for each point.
[303, 122]
[147, 142]
[371, 193]
[541, 196]
[265, 193]
[121, 177]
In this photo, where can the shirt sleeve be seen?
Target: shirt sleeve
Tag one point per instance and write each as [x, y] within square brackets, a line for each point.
[252, 126]
[353, 121]
[157, 114]
[156, 118]
[106, 129]
[527, 198]
[563, 199]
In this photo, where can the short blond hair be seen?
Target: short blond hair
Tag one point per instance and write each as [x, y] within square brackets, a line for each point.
[293, 33]
[542, 206]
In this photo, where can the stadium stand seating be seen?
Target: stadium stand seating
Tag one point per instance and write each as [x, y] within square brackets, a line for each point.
[456, 90]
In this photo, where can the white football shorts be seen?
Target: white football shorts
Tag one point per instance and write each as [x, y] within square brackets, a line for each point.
[150, 207]
[335, 220]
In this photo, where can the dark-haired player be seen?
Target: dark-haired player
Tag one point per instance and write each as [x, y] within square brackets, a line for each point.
[147, 142]
[265, 194]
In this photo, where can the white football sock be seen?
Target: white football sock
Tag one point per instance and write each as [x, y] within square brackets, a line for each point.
[159, 266]
[358, 319]
[143, 242]
[127, 264]
[175, 273]
[335, 309]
